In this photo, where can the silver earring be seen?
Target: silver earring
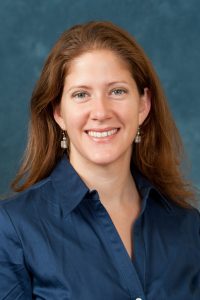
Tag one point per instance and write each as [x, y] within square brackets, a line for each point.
[63, 143]
[138, 136]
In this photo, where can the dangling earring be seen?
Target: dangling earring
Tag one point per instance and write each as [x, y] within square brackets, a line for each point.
[138, 136]
[63, 143]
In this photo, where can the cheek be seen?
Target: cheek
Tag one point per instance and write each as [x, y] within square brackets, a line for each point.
[74, 119]
[130, 115]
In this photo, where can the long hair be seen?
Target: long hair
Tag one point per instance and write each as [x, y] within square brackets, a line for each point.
[160, 153]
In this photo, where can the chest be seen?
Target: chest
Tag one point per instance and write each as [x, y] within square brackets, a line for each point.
[123, 221]
[82, 257]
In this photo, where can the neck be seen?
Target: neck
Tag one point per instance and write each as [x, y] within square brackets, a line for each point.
[114, 182]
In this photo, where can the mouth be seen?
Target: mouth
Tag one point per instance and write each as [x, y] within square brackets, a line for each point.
[102, 133]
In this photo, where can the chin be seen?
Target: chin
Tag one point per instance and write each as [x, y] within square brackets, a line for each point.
[103, 160]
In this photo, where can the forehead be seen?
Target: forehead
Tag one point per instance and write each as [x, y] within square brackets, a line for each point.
[96, 64]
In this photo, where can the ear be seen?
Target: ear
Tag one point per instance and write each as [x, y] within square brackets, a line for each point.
[145, 105]
[58, 117]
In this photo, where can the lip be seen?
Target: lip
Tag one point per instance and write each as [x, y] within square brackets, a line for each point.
[102, 140]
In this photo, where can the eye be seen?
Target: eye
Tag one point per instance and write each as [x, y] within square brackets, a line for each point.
[80, 95]
[119, 92]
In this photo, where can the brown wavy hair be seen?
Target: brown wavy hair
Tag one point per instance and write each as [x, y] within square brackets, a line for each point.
[160, 153]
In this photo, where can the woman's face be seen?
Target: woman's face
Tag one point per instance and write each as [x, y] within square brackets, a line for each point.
[101, 108]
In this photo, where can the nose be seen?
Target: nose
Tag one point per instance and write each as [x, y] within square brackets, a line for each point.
[101, 109]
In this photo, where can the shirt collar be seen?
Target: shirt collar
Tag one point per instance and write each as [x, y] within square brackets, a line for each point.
[145, 188]
[69, 189]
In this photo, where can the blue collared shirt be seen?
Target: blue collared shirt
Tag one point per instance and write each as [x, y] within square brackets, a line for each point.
[57, 241]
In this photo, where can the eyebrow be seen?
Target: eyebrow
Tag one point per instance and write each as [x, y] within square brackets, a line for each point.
[89, 88]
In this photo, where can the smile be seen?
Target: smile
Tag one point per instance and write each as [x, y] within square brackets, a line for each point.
[102, 134]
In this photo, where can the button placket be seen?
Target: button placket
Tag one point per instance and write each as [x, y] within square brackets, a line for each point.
[122, 259]
[139, 250]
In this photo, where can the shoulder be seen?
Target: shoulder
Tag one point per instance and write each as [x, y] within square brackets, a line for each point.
[20, 219]
[188, 222]
[27, 195]
[24, 204]
[178, 224]
[189, 214]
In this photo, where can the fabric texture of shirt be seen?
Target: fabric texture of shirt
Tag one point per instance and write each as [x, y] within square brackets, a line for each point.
[57, 241]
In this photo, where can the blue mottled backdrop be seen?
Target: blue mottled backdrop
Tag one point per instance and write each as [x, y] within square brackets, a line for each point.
[169, 32]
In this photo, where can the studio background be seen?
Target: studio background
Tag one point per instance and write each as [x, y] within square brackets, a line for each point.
[168, 31]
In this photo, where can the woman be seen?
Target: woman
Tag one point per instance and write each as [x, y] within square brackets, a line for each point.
[103, 211]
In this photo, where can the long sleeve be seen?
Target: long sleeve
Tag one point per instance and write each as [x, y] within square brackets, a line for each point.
[14, 279]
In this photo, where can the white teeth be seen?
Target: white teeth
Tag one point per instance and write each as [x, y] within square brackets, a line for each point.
[102, 134]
